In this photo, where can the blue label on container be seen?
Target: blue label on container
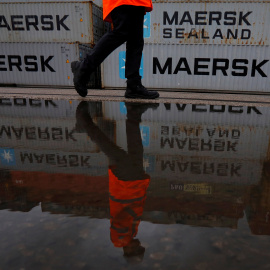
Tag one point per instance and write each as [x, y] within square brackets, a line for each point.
[123, 108]
[149, 163]
[7, 157]
[147, 25]
[122, 65]
[145, 135]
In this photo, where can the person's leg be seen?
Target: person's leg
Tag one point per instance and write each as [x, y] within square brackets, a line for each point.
[134, 49]
[111, 40]
[107, 44]
[135, 43]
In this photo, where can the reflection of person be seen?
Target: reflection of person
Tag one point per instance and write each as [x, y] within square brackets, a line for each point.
[127, 180]
[127, 17]
[258, 209]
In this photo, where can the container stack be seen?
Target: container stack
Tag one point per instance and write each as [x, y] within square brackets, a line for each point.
[202, 45]
[197, 144]
[39, 40]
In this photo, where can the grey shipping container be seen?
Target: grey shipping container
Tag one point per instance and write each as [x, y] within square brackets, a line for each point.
[79, 21]
[213, 22]
[42, 64]
[211, 67]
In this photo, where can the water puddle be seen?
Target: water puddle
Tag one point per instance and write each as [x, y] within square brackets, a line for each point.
[91, 185]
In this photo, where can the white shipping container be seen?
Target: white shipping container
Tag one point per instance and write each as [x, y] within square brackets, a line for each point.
[201, 140]
[200, 114]
[44, 134]
[51, 22]
[213, 22]
[178, 169]
[211, 67]
[50, 108]
[52, 161]
[97, 2]
[41, 64]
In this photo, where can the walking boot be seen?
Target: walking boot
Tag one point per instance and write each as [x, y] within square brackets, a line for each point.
[135, 89]
[80, 78]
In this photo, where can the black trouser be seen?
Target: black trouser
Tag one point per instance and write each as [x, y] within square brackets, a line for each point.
[125, 165]
[127, 27]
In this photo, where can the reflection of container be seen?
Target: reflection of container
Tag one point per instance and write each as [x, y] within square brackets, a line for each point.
[199, 114]
[44, 134]
[25, 107]
[220, 208]
[79, 21]
[176, 170]
[66, 189]
[213, 22]
[201, 140]
[57, 161]
[41, 63]
[210, 67]
[257, 210]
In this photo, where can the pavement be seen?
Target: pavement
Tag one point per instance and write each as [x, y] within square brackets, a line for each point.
[166, 96]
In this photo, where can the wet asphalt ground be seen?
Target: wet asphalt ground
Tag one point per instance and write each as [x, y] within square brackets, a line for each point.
[118, 95]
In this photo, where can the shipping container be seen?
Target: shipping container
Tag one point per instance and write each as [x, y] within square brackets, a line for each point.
[200, 140]
[200, 114]
[42, 64]
[178, 170]
[51, 22]
[200, 67]
[52, 161]
[43, 134]
[40, 108]
[97, 2]
[213, 22]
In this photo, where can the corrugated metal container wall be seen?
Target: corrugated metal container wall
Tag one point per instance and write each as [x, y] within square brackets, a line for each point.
[201, 22]
[207, 170]
[51, 22]
[212, 67]
[52, 161]
[41, 63]
[44, 134]
[199, 45]
[97, 2]
[50, 108]
[215, 141]
[205, 114]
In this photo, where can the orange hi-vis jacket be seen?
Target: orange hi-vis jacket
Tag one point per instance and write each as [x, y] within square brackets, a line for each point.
[127, 200]
[109, 5]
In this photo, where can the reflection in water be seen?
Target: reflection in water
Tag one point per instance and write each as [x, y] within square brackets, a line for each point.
[127, 180]
[207, 201]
